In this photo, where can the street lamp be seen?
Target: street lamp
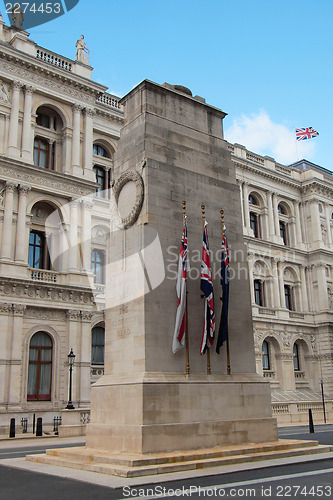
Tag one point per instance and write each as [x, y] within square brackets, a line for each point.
[71, 359]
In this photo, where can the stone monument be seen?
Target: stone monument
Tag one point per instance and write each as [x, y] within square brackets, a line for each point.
[172, 149]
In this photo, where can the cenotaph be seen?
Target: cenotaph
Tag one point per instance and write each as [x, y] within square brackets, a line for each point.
[172, 149]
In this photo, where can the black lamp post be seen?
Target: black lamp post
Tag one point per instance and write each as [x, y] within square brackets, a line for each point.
[71, 359]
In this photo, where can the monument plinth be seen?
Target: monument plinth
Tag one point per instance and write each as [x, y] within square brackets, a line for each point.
[171, 148]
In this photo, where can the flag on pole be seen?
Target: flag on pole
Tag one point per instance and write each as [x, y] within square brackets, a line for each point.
[183, 267]
[305, 133]
[206, 286]
[223, 330]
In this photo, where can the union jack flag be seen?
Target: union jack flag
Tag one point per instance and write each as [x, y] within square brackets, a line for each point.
[183, 267]
[206, 286]
[305, 133]
[223, 330]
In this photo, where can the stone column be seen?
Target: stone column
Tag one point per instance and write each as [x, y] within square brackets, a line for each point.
[299, 238]
[13, 150]
[85, 360]
[304, 291]
[276, 298]
[246, 204]
[76, 145]
[315, 221]
[15, 360]
[7, 228]
[66, 151]
[270, 214]
[26, 130]
[276, 214]
[73, 250]
[281, 284]
[240, 185]
[87, 205]
[322, 288]
[73, 317]
[88, 144]
[21, 244]
[328, 224]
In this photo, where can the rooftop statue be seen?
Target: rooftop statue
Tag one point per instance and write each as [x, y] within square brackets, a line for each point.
[17, 16]
[81, 51]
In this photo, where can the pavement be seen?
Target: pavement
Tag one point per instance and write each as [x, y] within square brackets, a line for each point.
[119, 482]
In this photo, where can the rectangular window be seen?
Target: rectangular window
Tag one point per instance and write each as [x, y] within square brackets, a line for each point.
[100, 179]
[284, 232]
[41, 153]
[259, 293]
[97, 265]
[288, 297]
[38, 257]
[254, 224]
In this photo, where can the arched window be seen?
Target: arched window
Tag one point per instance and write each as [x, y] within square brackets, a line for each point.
[253, 200]
[281, 209]
[296, 358]
[39, 255]
[40, 367]
[100, 151]
[259, 292]
[49, 127]
[97, 345]
[266, 365]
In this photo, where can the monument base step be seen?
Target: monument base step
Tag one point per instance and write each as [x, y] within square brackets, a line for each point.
[135, 465]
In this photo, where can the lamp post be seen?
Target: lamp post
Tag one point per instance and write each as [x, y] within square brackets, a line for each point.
[71, 359]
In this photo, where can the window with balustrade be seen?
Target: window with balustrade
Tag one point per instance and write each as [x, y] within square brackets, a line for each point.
[40, 367]
[284, 215]
[39, 257]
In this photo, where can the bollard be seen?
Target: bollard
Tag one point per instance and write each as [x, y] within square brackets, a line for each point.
[33, 423]
[311, 426]
[12, 428]
[39, 430]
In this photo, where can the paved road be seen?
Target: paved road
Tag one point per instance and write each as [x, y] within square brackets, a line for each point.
[301, 480]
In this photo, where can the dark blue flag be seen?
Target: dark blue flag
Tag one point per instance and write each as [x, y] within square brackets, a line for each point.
[223, 330]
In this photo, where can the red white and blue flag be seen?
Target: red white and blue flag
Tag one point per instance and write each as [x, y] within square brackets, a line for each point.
[223, 330]
[305, 133]
[206, 286]
[183, 266]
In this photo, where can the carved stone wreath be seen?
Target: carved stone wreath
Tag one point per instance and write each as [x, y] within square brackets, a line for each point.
[131, 176]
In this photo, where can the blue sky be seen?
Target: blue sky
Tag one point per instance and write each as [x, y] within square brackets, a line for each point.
[267, 63]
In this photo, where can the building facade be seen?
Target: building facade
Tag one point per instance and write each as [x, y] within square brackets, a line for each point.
[59, 131]
[288, 224]
[58, 135]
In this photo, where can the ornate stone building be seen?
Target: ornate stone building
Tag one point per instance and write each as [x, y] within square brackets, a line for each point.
[58, 132]
[58, 135]
[288, 224]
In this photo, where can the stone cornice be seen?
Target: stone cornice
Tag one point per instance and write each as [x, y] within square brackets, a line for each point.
[44, 180]
[12, 289]
[265, 172]
[21, 65]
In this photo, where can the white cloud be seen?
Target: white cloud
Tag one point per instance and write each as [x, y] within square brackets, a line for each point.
[260, 135]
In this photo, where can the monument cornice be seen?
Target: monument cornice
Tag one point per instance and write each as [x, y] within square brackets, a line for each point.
[44, 180]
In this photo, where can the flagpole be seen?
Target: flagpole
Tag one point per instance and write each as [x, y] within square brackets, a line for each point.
[207, 349]
[186, 312]
[228, 351]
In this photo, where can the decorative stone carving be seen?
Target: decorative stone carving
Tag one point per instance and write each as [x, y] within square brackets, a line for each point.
[5, 308]
[73, 315]
[100, 234]
[131, 176]
[45, 315]
[4, 97]
[86, 316]
[18, 309]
